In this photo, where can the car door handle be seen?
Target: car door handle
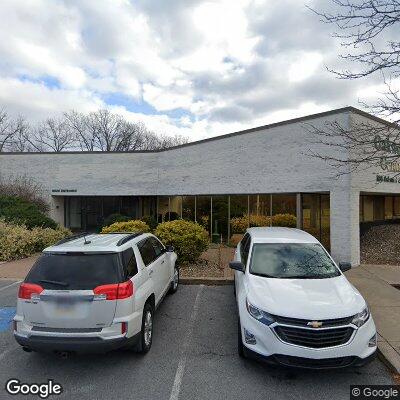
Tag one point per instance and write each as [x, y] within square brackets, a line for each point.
[163, 261]
[150, 272]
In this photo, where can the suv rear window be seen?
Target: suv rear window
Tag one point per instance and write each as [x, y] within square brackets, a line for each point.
[75, 270]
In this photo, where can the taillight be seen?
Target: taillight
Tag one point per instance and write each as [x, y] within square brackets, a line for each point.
[26, 290]
[124, 327]
[125, 290]
[115, 291]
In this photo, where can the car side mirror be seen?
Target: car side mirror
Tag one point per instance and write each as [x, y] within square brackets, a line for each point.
[169, 249]
[344, 266]
[237, 265]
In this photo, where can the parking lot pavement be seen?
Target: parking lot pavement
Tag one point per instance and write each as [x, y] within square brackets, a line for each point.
[193, 357]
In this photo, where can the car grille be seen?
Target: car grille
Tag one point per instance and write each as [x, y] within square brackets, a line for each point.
[303, 322]
[292, 361]
[314, 338]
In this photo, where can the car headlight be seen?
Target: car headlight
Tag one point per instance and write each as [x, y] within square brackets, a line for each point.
[361, 318]
[258, 314]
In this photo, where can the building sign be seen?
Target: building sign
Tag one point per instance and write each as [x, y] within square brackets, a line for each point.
[387, 165]
[63, 190]
[387, 179]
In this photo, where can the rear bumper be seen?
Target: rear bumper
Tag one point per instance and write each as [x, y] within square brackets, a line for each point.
[309, 363]
[74, 344]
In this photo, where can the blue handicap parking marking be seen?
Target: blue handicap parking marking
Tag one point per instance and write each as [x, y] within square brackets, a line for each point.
[6, 317]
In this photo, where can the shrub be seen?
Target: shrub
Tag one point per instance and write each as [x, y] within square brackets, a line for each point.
[112, 218]
[26, 188]
[150, 221]
[16, 241]
[288, 220]
[133, 226]
[23, 212]
[240, 224]
[188, 238]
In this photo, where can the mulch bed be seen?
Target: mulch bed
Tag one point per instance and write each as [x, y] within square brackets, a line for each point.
[203, 268]
[211, 263]
[381, 245]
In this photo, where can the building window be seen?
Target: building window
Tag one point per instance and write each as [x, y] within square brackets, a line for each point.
[189, 208]
[316, 216]
[219, 219]
[396, 207]
[239, 217]
[203, 212]
[283, 204]
[388, 207]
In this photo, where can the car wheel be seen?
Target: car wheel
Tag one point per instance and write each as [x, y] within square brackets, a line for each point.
[240, 346]
[146, 334]
[175, 281]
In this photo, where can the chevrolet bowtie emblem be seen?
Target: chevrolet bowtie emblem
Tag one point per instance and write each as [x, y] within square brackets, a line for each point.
[315, 324]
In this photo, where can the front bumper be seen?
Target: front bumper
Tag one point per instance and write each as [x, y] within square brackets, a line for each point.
[308, 363]
[270, 347]
[81, 345]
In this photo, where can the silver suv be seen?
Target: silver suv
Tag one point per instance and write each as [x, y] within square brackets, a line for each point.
[95, 293]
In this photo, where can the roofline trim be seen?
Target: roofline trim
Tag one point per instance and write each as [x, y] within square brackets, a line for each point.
[228, 135]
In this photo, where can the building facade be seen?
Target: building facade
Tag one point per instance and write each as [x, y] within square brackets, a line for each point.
[224, 183]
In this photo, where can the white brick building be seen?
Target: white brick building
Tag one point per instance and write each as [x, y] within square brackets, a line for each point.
[262, 171]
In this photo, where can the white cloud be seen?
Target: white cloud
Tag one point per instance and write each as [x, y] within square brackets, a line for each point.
[227, 65]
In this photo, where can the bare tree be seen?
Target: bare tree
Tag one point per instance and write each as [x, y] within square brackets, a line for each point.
[79, 126]
[26, 188]
[53, 135]
[369, 31]
[104, 131]
[9, 130]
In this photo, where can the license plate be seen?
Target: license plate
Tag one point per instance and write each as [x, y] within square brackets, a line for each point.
[65, 305]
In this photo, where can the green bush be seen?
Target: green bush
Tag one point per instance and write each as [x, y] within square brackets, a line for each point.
[288, 220]
[150, 221]
[188, 238]
[16, 241]
[23, 212]
[133, 226]
[240, 224]
[112, 218]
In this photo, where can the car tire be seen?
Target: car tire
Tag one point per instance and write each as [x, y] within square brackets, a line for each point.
[146, 334]
[175, 281]
[240, 346]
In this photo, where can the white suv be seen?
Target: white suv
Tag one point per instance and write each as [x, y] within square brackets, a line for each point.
[95, 293]
[295, 305]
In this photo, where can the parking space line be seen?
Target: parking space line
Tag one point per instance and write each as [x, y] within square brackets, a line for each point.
[12, 284]
[176, 388]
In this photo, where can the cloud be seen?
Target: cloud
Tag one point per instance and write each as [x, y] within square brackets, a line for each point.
[193, 67]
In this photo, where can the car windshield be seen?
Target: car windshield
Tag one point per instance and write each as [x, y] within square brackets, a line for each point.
[292, 260]
[74, 271]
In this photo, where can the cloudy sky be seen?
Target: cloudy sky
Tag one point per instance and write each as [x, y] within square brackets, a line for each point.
[190, 67]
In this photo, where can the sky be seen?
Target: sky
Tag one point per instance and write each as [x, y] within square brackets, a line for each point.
[183, 67]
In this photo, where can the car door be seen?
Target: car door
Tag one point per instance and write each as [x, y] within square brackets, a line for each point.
[165, 267]
[153, 266]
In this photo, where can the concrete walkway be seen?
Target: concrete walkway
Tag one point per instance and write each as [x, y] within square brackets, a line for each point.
[375, 283]
[17, 269]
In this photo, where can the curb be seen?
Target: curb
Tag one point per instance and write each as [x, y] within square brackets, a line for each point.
[389, 356]
[191, 280]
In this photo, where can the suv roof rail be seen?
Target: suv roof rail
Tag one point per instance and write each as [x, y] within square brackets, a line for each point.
[69, 238]
[127, 238]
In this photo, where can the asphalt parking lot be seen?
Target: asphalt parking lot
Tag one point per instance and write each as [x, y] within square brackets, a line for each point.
[193, 357]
